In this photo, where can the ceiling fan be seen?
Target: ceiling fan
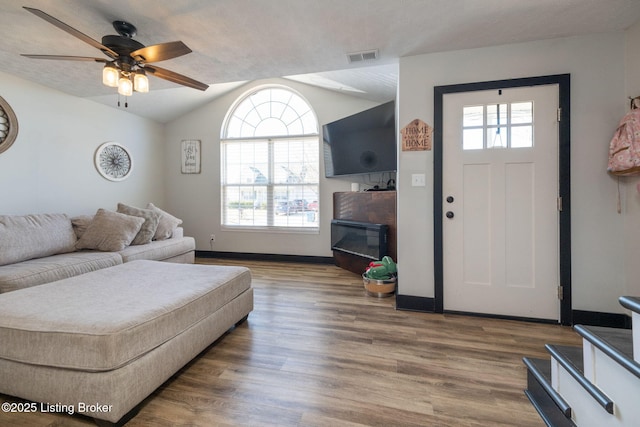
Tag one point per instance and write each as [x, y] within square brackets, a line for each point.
[129, 60]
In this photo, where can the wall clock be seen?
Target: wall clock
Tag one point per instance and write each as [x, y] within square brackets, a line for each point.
[113, 161]
[8, 125]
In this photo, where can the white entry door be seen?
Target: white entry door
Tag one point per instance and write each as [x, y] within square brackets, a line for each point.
[500, 190]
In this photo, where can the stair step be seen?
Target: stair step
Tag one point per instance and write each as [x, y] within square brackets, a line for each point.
[630, 303]
[570, 358]
[540, 369]
[615, 343]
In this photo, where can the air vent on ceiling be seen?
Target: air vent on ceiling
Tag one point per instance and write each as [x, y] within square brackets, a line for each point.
[365, 55]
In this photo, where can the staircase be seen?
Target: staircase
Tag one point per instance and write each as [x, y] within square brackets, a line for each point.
[597, 384]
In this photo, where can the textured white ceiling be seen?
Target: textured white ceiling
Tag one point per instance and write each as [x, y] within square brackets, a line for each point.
[235, 41]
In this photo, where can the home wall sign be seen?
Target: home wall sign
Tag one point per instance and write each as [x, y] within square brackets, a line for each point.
[113, 161]
[416, 136]
[8, 125]
[191, 156]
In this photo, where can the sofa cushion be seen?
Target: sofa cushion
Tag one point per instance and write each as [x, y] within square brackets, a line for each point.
[159, 250]
[149, 226]
[24, 237]
[167, 223]
[48, 269]
[105, 319]
[110, 231]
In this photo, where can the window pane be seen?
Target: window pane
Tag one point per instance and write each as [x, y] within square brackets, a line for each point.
[292, 206]
[522, 112]
[260, 97]
[233, 128]
[280, 96]
[271, 127]
[522, 136]
[496, 114]
[472, 139]
[245, 205]
[264, 110]
[497, 137]
[253, 118]
[309, 123]
[277, 108]
[473, 116]
[289, 115]
[243, 109]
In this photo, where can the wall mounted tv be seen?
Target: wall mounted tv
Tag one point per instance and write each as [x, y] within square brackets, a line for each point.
[363, 143]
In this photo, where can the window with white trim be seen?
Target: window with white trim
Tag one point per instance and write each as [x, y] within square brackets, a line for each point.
[270, 162]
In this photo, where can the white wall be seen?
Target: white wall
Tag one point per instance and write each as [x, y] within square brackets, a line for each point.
[50, 168]
[631, 205]
[196, 197]
[596, 64]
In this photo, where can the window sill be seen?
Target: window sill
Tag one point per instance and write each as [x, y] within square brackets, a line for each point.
[265, 229]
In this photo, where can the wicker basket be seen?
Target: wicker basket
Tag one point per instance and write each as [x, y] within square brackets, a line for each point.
[379, 288]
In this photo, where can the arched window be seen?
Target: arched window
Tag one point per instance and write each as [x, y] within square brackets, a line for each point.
[270, 162]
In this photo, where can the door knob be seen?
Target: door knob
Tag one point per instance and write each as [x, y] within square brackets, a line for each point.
[449, 214]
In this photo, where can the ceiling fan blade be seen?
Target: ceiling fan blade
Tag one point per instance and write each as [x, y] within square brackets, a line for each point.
[67, 58]
[175, 77]
[85, 38]
[160, 52]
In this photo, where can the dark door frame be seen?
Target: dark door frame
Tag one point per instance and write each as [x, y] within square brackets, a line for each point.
[564, 175]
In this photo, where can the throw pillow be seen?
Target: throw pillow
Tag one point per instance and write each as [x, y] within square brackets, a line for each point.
[80, 224]
[168, 223]
[110, 231]
[149, 226]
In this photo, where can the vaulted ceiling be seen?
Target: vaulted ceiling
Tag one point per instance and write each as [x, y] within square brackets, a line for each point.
[235, 41]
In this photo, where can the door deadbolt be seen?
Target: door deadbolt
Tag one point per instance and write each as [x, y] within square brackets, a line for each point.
[450, 199]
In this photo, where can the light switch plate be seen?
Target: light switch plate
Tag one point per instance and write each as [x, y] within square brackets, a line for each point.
[418, 180]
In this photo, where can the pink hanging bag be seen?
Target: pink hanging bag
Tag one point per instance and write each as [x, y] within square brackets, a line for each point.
[624, 148]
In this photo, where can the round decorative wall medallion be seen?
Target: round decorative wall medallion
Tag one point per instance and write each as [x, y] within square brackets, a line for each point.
[8, 125]
[113, 161]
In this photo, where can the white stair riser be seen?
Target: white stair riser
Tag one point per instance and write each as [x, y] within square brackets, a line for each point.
[585, 411]
[588, 359]
[635, 323]
[622, 387]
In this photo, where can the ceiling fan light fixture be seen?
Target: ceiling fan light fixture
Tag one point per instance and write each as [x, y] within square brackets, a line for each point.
[140, 82]
[110, 75]
[125, 86]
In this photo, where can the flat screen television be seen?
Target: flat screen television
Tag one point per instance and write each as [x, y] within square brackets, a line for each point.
[362, 143]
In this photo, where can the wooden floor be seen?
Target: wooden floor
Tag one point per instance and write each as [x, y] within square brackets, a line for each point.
[318, 351]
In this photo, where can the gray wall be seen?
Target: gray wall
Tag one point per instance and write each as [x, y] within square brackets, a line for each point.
[196, 198]
[50, 168]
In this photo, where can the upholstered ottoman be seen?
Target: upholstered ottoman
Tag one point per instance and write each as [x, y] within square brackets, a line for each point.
[103, 341]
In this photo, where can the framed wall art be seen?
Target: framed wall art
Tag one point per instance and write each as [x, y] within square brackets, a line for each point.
[8, 125]
[113, 161]
[191, 156]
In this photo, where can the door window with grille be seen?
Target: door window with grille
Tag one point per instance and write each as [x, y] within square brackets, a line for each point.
[501, 125]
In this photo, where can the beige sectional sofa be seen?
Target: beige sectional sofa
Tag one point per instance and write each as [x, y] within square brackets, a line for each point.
[92, 321]
[42, 248]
